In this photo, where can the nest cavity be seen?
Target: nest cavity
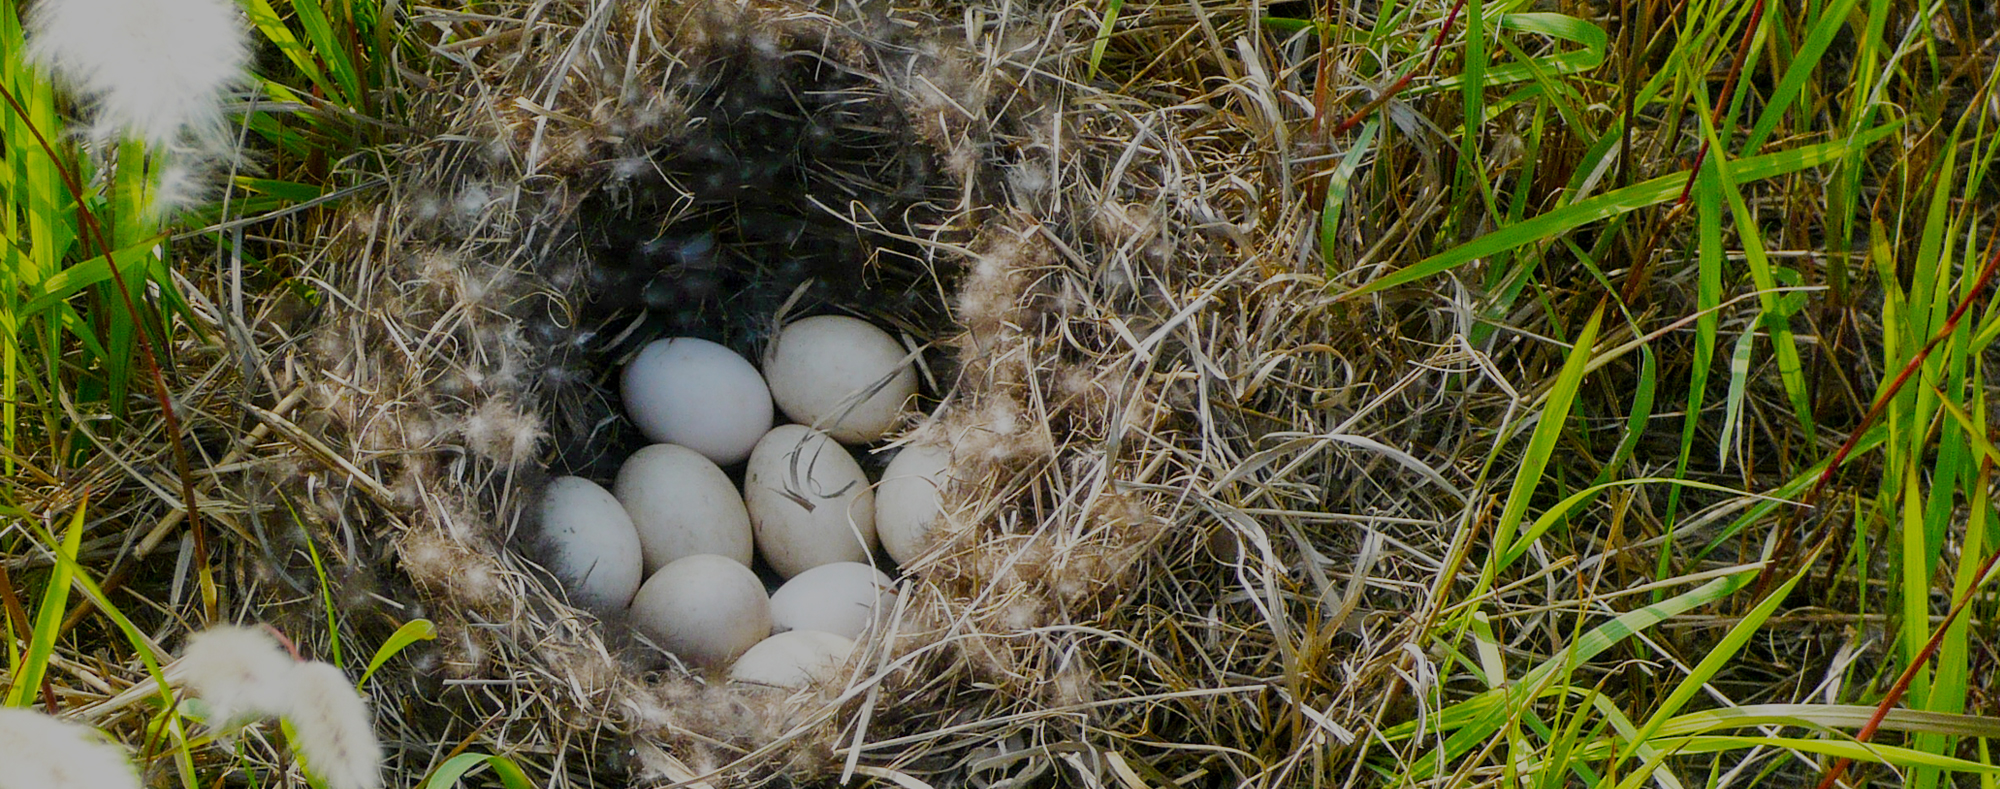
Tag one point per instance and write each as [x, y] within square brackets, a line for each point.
[1142, 383]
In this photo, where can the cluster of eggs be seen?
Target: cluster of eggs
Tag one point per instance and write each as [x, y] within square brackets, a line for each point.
[672, 541]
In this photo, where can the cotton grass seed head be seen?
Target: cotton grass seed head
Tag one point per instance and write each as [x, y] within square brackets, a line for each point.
[40, 752]
[182, 183]
[241, 673]
[333, 729]
[157, 69]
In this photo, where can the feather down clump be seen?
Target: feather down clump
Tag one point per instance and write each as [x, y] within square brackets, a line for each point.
[40, 752]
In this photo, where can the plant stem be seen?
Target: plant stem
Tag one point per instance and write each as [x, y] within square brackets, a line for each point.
[94, 231]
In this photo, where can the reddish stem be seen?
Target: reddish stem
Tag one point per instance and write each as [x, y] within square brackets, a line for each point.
[1923, 657]
[283, 640]
[1875, 409]
[94, 231]
[1728, 92]
[1437, 48]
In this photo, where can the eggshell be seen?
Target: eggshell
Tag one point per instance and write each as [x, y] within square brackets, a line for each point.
[841, 375]
[705, 608]
[907, 505]
[593, 548]
[699, 395]
[843, 598]
[682, 505]
[792, 660]
[809, 502]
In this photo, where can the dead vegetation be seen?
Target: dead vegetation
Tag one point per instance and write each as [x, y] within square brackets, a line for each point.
[1211, 511]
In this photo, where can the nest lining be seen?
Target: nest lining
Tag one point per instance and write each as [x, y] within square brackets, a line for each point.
[1125, 552]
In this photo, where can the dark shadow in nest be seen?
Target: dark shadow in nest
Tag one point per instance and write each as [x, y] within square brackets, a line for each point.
[748, 204]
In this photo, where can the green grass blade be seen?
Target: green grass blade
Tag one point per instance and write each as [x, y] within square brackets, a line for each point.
[1615, 203]
[1915, 582]
[1631, 622]
[1562, 509]
[1707, 331]
[287, 191]
[1638, 418]
[457, 767]
[1951, 672]
[1336, 193]
[150, 654]
[48, 617]
[1472, 97]
[266, 20]
[1776, 320]
[1873, 753]
[1590, 38]
[1628, 731]
[132, 262]
[1718, 658]
[1732, 403]
[1949, 688]
[1824, 716]
[1872, 440]
[1554, 92]
[411, 632]
[1541, 447]
[326, 596]
[330, 48]
[1473, 722]
[1111, 8]
[1564, 744]
[1832, 20]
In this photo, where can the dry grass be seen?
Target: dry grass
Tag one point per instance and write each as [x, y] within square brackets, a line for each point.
[1122, 386]
[1216, 522]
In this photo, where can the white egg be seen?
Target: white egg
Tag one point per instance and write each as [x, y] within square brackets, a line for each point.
[792, 660]
[843, 598]
[682, 504]
[705, 608]
[841, 375]
[907, 504]
[809, 502]
[699, 395]
[593, 548]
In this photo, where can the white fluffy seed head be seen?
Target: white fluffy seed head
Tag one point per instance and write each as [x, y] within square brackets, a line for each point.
[335, 733]
[154, 70]
[157, 69]
[40, 752]
[183, 184]
[240, 673]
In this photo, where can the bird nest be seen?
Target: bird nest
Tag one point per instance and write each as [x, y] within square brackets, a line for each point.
[1178, 541]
